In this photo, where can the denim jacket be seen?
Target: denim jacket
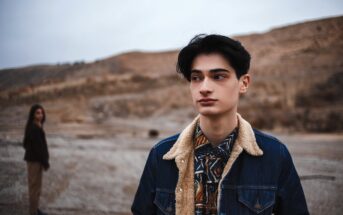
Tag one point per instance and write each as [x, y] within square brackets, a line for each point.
[259, 177]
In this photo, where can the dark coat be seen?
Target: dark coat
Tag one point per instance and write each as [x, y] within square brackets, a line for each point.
[36, 147]
[259, 178]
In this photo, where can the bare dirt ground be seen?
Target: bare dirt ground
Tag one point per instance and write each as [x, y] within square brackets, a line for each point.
[99, 176]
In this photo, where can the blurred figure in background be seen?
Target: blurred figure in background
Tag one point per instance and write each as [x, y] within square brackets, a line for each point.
[36, 155]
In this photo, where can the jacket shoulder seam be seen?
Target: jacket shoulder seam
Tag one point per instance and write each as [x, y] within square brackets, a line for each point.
[169, 139]
[268, 136]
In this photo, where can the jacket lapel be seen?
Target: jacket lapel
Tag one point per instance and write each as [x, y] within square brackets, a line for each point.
[183, 153]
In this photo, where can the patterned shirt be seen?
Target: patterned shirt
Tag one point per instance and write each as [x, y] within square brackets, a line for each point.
[209, 163]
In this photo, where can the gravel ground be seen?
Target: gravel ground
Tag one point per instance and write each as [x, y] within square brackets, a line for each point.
[100, 176]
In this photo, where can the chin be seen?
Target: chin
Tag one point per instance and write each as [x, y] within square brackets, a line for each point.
[208, 112]
[213, 111]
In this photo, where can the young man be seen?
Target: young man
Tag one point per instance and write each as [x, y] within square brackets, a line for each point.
[218, 164]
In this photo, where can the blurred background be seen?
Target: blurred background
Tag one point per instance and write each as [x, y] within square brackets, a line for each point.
[105, 73]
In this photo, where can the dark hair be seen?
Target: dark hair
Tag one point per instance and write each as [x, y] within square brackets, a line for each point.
[230, 49]
[31, 118]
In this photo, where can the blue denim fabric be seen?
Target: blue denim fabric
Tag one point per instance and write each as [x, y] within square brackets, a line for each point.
[255, 185]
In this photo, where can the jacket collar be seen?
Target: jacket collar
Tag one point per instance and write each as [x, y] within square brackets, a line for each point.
[245, 139]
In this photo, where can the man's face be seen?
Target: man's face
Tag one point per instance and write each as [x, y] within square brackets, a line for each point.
[214, 85]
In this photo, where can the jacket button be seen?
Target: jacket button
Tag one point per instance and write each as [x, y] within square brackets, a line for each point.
[180, 189]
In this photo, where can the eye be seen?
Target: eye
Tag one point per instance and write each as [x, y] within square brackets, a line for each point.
[219, 76]
[195, 77]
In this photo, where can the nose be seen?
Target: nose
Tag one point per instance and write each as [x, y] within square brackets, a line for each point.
[205, 87]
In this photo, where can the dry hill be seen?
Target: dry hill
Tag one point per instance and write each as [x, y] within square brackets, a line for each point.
[297, 75]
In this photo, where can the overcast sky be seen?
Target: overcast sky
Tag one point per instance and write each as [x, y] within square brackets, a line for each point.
[59, 31]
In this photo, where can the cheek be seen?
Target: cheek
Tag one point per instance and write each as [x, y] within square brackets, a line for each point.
[235, 88]
[193, 92]
[230, 95]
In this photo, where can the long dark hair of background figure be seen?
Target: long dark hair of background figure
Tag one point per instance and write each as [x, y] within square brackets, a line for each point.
[31, 118]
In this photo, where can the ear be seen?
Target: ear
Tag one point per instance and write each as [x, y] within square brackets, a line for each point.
[244, 82]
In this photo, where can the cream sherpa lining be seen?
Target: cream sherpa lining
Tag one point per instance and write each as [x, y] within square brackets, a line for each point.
[183, 153]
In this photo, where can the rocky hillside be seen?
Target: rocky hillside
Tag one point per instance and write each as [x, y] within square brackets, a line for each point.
[297, 74]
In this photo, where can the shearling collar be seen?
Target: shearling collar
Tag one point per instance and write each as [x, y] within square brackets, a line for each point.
[246, 139]
[183, 153]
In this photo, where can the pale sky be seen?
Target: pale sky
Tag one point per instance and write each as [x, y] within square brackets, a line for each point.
[61, 31]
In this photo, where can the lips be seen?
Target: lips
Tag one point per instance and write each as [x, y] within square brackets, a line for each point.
[207, 101]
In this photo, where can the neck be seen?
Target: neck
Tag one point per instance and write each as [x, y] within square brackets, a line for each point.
[38, 123]
[217, 128]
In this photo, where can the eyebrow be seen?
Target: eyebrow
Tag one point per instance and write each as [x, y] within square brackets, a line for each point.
[211, 71]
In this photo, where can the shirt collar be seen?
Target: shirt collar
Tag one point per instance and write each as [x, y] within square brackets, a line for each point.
[200, 139]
